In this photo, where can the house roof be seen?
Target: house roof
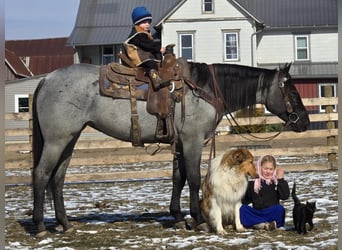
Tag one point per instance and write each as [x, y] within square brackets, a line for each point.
[42, 55]
[109, 21]
[293, 13]
[16, 65]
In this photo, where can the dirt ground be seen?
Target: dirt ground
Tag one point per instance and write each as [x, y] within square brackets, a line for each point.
[134, 215]
[131, 215]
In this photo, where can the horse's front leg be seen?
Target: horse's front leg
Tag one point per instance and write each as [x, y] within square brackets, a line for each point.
[192, 160]
[194, 181]
[178, 182]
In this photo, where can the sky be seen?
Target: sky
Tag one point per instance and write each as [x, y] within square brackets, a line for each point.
[37, 19]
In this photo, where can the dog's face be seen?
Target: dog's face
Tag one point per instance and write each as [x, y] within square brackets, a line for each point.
[242, 159]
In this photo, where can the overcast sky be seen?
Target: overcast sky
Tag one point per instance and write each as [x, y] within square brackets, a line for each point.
[36, 19]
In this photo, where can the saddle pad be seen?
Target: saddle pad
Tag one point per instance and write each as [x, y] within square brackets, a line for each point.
[118, 90]
[122, 70]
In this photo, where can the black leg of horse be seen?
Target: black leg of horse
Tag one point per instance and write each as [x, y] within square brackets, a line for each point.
[57, 183]
[193, 176]
[41, 176]
[187, 167]
[178, 182]
[39, 187]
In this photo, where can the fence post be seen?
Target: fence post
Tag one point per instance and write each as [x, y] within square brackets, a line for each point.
[331, 140]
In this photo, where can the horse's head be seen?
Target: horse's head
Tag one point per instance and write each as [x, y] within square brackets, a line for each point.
[284, 101]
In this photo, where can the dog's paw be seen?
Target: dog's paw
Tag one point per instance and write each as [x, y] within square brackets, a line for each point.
[240, 229]
[221, 231]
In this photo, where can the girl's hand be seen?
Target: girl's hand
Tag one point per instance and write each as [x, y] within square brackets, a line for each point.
[280, 173]
[162, 50]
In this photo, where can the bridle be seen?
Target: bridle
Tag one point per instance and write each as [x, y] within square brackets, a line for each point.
[293, 117]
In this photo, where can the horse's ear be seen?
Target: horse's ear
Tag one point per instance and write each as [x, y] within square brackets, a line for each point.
[287, 67]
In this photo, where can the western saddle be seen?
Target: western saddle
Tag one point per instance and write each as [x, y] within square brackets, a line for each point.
[126, 81]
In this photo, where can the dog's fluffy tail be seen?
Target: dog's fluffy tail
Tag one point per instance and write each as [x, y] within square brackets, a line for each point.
[293, 193]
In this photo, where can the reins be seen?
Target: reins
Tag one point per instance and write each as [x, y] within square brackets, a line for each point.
[293, 116]
[219, 110]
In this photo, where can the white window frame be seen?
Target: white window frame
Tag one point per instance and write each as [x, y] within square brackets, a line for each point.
[320, 87]
[307, 48]
[206, 3]
[16, 102]
[181, 47]
[225, 47]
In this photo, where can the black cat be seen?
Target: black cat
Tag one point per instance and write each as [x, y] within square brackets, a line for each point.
[302, 213]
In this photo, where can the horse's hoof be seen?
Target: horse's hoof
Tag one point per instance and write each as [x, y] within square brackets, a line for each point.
[182, 224]
[68, 230]
[41, 234]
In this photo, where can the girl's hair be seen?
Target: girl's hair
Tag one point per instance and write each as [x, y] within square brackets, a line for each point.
[262, 160]
[269, 158]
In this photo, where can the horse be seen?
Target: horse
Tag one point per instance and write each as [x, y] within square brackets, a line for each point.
[68, 99]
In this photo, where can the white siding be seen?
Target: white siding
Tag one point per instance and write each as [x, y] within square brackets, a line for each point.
[192, 9]
[275, 48]
[18, 87]
[280, 47]
[324, 47]
[208, 31]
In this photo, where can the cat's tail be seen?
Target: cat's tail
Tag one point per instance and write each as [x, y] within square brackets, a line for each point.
[293, 193]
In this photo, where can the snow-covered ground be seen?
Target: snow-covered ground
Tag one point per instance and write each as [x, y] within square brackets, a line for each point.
[133, 215]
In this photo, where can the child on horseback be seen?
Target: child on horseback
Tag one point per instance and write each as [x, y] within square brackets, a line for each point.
[142, 49]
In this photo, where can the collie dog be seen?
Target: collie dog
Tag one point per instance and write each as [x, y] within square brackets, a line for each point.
[223, 188]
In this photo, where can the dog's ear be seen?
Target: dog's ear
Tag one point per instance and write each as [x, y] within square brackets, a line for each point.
[239, 157]
[235, 157]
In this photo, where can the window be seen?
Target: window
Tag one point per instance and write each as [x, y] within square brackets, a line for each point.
[322, 93]
[107, 54]
[231, 46]
[21, 103]
[110, 53]
[208, 6]
[302, 47]
[186, 46]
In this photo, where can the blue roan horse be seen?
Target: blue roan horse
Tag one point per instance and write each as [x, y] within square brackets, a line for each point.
[68, 99]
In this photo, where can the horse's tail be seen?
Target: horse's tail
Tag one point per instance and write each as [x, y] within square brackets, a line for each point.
[293, 194]
[37, 138]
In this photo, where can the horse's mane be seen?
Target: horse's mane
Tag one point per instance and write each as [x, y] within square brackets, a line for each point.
[237, 83]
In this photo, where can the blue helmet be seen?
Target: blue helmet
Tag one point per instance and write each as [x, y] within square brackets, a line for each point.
[140, 14]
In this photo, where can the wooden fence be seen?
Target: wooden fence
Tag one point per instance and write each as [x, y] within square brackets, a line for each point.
[18, 155]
